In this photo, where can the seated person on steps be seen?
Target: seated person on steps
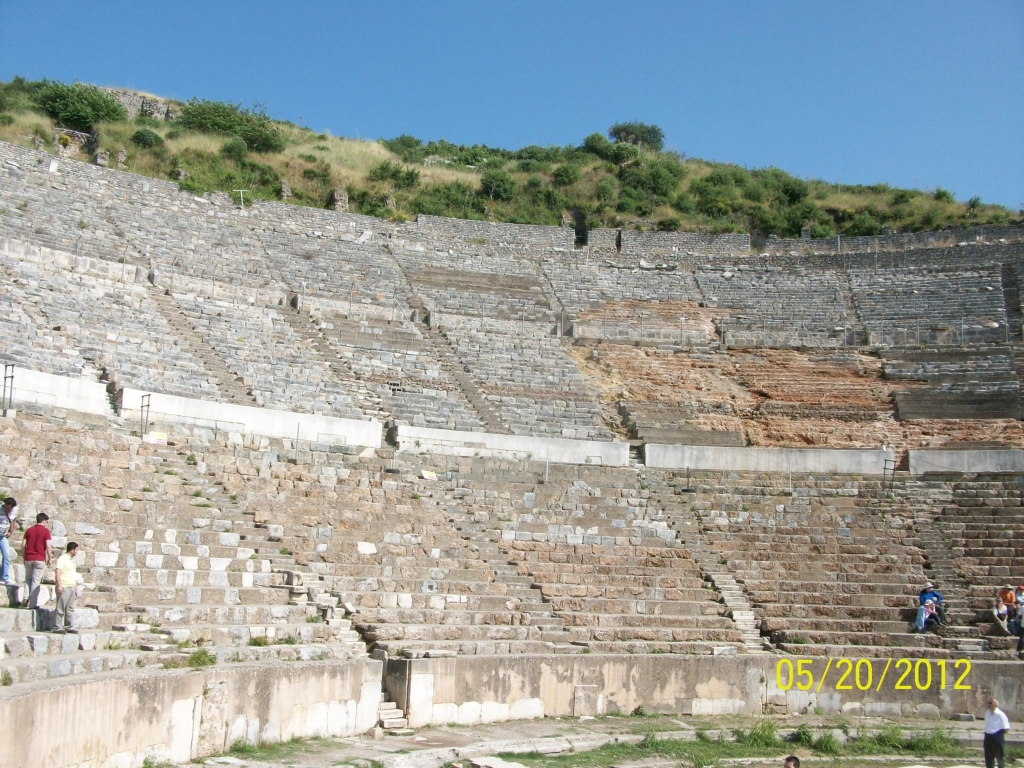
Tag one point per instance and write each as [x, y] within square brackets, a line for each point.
[1005, 609]
[929, 592]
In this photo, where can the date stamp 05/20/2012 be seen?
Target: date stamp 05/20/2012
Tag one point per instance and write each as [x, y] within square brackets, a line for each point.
[872, 674]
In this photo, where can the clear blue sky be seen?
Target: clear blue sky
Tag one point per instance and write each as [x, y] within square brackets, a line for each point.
[910, 93]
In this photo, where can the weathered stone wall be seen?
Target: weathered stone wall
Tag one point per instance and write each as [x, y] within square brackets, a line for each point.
[824, 460]
[671, 243]
[896, 242]
[559, 451]
[603, 239]
[183, 715]
[468, 690]
[966, 461]
[440, 230]
[139, 104]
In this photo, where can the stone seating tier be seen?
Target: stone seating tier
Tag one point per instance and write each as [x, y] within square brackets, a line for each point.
[215, 580]
[580, 286]
[802, 300]
[941, 302]
[70, 322]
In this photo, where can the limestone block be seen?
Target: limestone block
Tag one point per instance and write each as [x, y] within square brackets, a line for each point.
[105, 559]
[85, 618]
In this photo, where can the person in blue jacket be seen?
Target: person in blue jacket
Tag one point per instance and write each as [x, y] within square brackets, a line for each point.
[929, 592]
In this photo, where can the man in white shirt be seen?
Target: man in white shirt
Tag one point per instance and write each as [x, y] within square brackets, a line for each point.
[996, 726]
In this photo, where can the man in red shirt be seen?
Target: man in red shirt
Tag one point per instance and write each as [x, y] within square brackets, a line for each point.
[37, 558]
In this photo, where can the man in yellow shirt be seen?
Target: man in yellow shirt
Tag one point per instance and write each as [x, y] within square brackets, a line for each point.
[66, 575]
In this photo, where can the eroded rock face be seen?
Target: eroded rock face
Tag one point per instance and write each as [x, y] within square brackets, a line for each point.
[774, 397]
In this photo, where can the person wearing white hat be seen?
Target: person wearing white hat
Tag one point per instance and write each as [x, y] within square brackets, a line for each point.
[929, 592]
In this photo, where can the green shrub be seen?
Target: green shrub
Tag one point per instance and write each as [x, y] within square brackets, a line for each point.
[146, 138]
[670, 224]
[636, 201]
[455, 199]
[641, 134]
[288, 640]
[498, 185]
[659, 176]
[253, 126]
[902, 196]
[201, 658]
[409, 148]
[822, 229]
[649, 741]
[565, 175]
[763, 735]
[943, 195]
[827, 744]
[235, 149]
[596, 144]
[6, 678]
[934, 743]
[863, 224]
[19, 95]
[259, 642]
[402, 178]
[6, 119]
[78, 106]
[534, 166]
[803, 736]
[321, 175]
[605, 189]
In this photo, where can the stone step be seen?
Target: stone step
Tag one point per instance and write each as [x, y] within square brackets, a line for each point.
[80, 662]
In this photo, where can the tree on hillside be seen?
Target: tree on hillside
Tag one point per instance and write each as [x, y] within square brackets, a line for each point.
[78, 106]
[641, 134]
[253, 126]
[498, 185]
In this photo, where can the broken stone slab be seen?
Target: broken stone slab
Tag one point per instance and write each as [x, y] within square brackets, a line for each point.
[493, 762]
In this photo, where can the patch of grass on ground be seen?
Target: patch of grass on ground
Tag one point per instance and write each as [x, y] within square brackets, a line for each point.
[761, 741]
[278, 750]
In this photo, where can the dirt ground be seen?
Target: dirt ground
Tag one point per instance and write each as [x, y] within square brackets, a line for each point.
[565, 736]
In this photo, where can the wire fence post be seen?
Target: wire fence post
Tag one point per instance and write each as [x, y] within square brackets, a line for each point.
[144, 415]
[8, 397]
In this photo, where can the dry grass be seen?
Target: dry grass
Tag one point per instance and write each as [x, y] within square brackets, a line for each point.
[25, 126]
[315, 163]
[350, 160]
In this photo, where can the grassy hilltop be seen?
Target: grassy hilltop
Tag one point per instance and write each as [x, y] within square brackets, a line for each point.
[622, 178]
